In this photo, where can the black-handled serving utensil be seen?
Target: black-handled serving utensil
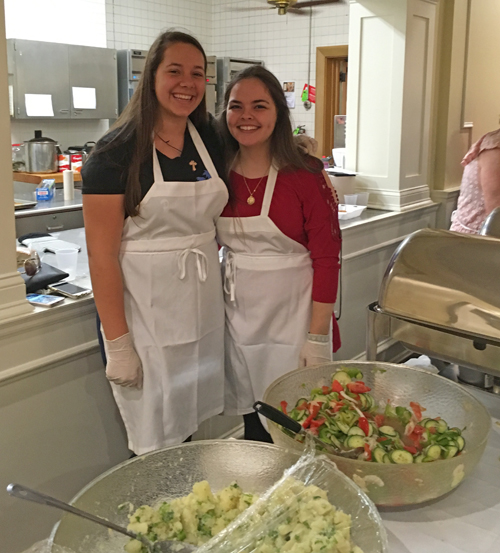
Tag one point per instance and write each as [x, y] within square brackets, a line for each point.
[287, 422]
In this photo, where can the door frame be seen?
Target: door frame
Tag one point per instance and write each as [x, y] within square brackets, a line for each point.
[323, 54]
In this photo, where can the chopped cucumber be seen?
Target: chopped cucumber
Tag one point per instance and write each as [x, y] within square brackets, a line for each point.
[433, 451]
[301, 401]
[442, 426]
[451, 452]
[387, 430]
[355, 441]
[419, 458]
[378, 455]
[364, 402]
[342, 377]
[431, 423]
[401, 457]
[355, 431]
[321, 398]
[460, 443]
[403, 414]
[343, 427]
[316, 391]
[387, 460]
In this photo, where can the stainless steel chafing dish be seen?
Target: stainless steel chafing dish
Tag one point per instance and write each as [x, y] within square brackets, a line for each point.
[440, 296]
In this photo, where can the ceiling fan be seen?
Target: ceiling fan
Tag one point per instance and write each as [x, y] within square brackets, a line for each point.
[291, 6]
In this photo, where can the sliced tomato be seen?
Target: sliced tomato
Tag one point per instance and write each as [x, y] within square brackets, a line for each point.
[368, 452]
[358, 387]
[418, 429]
[382, 439]
[411, 449]
[379, 420]
[284, 405]
[314, 413]
[417, 409]
[314, 430]
[326, 390]
[338, 407]
[363, 424]
[337, 386]
[317, 423]
[432, 430]
[303, 406]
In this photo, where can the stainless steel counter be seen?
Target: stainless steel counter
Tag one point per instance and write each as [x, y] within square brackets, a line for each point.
[56, 205]
[50, 216]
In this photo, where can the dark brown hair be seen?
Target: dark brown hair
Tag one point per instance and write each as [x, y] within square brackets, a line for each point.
[138, 119]
[283, 148]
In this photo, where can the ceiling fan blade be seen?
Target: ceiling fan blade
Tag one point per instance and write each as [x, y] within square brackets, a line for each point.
[260, 8]
[296, 11]
[312, 3]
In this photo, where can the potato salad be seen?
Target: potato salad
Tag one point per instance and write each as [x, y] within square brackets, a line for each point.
[297, 519]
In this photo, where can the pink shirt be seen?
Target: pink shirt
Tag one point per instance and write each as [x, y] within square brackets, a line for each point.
[471, 214]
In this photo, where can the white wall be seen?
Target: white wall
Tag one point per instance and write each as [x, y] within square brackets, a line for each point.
[281, 41]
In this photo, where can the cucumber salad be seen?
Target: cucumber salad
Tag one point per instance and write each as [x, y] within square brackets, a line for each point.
[346, 415]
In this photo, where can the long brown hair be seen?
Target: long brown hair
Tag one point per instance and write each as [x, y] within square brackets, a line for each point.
[283, 148]
[138, 119]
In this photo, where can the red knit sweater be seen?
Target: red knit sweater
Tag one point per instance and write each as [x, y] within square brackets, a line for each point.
[304, 209]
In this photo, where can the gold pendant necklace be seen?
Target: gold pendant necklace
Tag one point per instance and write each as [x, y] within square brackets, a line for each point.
[251, 199]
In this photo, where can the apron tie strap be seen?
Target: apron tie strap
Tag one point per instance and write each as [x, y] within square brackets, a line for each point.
[230, 276]
[201, 263]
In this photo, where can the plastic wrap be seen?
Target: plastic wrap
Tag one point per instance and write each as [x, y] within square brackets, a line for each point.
[297, 514]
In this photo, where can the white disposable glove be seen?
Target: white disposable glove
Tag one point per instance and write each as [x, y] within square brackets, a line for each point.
[315, 351]
[124, 366]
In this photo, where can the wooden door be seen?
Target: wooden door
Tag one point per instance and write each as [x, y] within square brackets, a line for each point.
[331, 93]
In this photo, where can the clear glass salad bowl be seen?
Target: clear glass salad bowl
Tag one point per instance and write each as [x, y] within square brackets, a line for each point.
[171, 472]
[392, 484]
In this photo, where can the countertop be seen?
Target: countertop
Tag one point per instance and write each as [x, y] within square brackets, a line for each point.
[57, 204]
[467, 520]
[76, 236]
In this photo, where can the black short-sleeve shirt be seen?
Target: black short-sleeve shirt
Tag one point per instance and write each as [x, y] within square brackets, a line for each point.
[106, 172]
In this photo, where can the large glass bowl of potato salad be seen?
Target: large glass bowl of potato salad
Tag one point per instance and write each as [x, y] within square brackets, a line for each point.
[198, 492]
[419, 434]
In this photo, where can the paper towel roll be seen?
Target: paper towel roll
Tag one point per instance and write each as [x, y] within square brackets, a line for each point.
[68, 185]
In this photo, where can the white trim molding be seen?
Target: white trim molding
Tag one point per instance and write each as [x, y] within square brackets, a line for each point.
[391, 71]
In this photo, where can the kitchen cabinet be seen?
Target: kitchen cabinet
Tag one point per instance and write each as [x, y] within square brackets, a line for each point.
[61, 81]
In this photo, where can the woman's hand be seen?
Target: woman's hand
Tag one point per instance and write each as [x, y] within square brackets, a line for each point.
[316, 350]
[124, 366]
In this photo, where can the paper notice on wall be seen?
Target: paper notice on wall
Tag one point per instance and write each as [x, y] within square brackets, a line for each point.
[84, 98]
[39, 105]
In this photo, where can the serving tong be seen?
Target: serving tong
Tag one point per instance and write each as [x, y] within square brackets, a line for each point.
[21, 492]
[287, 422]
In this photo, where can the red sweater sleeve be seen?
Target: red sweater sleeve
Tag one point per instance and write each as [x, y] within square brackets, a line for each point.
[323, 236]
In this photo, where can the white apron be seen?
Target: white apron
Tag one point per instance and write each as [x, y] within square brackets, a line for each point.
[268, 286]
[174, 308]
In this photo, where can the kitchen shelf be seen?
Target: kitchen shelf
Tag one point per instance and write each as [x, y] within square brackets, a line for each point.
[37, 178]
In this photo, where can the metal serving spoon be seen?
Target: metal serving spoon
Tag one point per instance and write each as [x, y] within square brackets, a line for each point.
[287, 422]
[16, 490]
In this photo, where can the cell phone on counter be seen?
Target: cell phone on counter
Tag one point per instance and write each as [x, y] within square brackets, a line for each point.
[69, 290]
[44, 300]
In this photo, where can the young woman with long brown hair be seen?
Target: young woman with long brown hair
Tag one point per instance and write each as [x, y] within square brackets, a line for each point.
[282, 243]
[152, 193]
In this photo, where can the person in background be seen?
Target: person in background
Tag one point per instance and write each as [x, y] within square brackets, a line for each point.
[281, 241]
[480, 188]
[152, 193]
